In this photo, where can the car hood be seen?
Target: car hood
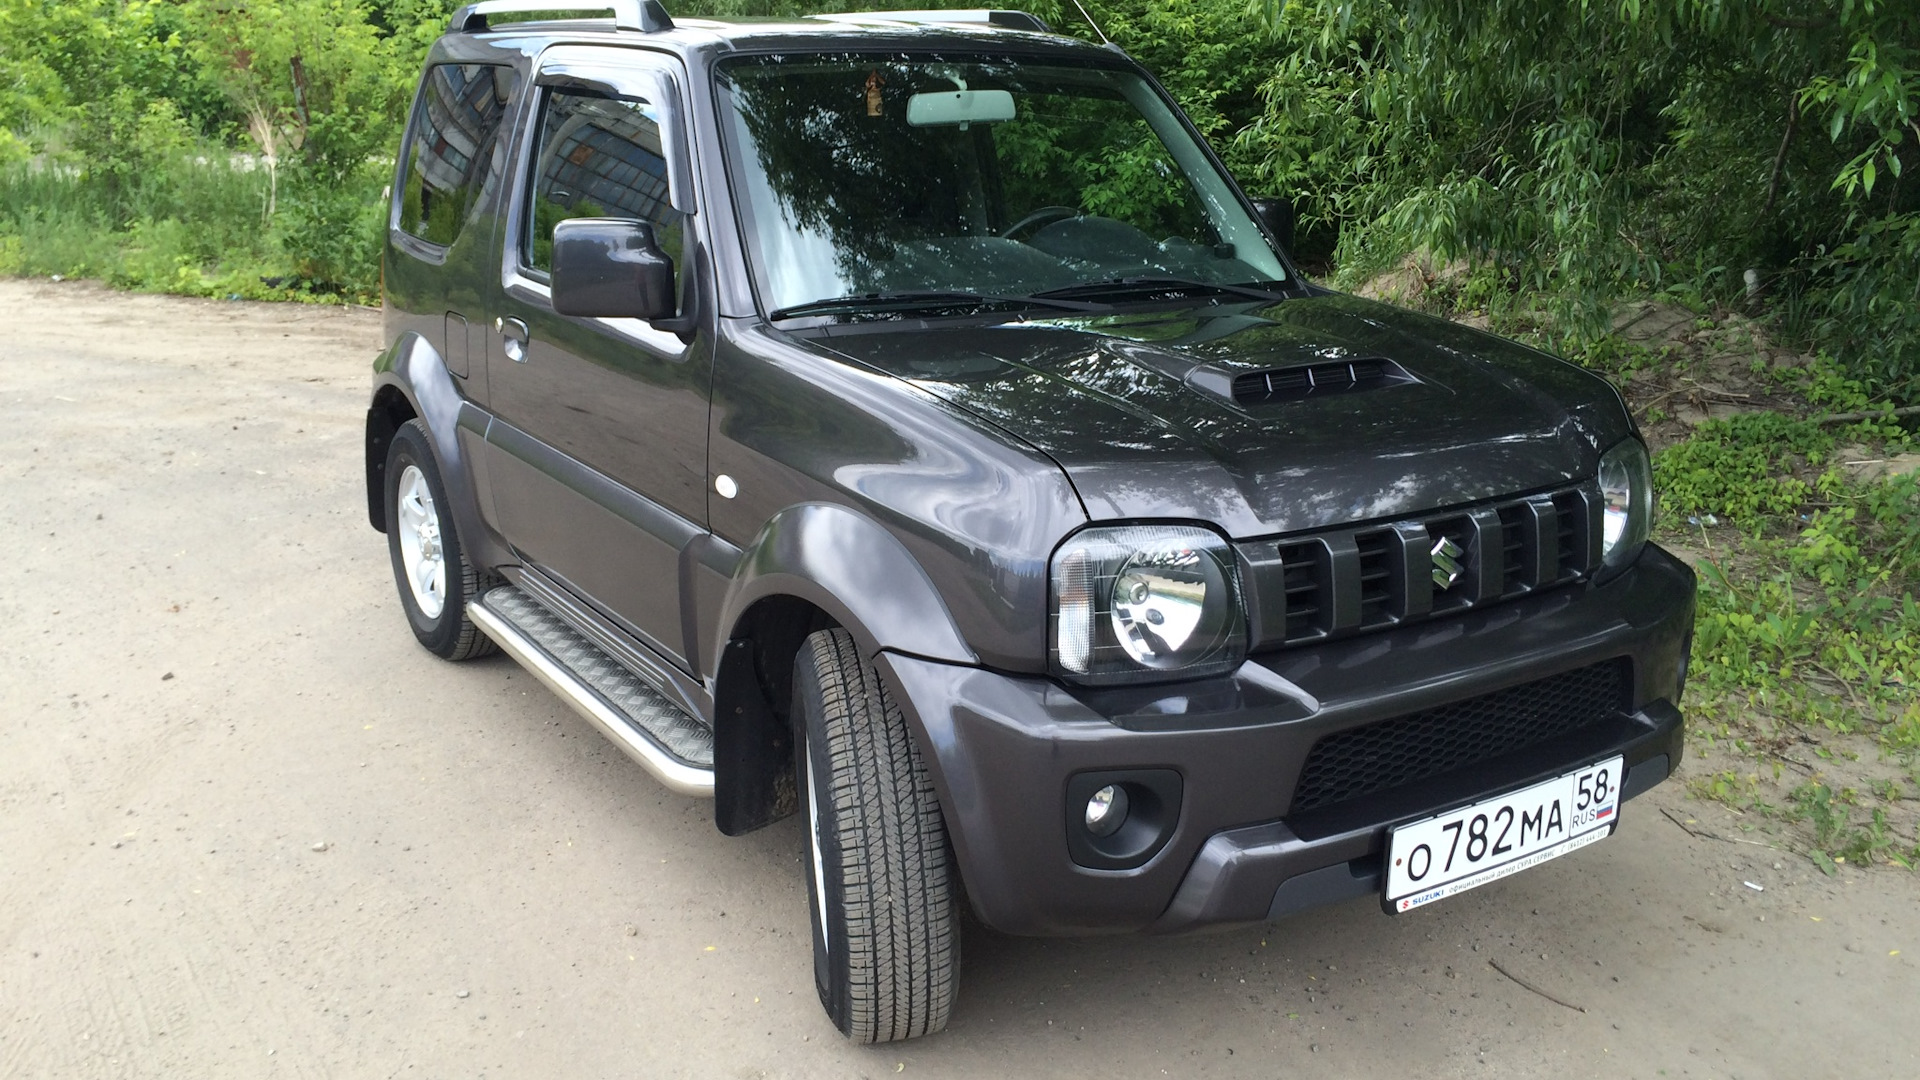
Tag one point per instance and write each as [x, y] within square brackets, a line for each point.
[1138, 410]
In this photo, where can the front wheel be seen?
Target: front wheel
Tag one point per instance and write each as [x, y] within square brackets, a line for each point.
[429, 563]
[881, 886]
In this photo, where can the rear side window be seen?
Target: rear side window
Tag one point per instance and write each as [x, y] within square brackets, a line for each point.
[455, 125]
[598, 157]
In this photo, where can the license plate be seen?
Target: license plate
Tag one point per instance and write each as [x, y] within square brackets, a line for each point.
[1462, 849]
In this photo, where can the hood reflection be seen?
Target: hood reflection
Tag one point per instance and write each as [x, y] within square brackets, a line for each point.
[1112, 399]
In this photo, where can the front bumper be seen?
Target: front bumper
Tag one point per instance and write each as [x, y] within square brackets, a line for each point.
[1002, 750]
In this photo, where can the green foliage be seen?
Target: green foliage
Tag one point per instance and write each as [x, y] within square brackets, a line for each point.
[312, 80]
[1827, 632]
[1838, 835]
[334, 233]
[1828, 816]
[1593, 149]
[1049, 156]
[65, 55]
[123, 138]
[1801, 632]
[1866, 303]
[193, 225]
[1572, 152]
[200, 145]
[1741, 468]
[1209, 56]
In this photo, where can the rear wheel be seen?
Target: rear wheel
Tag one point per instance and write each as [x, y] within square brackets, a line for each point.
[429, 564]
[881, 886]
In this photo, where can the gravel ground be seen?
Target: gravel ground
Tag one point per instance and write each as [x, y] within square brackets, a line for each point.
[249, 829]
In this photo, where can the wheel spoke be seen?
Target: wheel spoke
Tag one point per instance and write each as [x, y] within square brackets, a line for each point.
[415, 500]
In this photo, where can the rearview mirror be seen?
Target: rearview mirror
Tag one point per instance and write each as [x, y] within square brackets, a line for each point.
[610, 268]
[946, 108]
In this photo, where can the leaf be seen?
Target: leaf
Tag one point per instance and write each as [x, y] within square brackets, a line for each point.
[1821, 860]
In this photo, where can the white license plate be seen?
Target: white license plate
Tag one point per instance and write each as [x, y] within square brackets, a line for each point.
[1461, 849]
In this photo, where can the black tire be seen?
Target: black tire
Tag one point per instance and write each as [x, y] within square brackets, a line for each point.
[880, 879]
[447, 633]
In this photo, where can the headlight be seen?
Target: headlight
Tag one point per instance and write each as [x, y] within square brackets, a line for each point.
[1626, 489]
[1140, 603]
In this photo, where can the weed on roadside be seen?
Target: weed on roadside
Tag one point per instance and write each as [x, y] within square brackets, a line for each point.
[192, 222]
[1807, 635]
[1839, 836]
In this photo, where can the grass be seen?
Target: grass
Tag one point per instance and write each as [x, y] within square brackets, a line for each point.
[1804, 686]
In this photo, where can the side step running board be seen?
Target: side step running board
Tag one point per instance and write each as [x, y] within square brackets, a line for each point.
[676, 748]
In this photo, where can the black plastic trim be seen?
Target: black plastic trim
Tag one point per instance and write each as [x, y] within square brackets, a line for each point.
[1153, 806]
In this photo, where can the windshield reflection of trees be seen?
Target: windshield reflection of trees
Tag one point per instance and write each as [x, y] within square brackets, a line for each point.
[908, 207]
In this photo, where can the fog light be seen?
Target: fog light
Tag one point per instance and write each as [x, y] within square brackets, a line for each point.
[1117, 819]
[1107, 810]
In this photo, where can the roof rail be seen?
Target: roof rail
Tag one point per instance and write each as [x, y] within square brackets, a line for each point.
[646, 16]
[1008, 20]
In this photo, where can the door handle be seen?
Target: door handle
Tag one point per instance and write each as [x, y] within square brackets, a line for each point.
[513, 338]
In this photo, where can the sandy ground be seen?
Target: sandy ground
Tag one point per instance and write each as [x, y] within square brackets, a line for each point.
[249, 829]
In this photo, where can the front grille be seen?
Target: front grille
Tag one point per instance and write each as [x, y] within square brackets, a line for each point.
[1376, 577]
[1570, 519]
[1513, 550]
[1350, 580]
[1300, 585]
[1379, 757]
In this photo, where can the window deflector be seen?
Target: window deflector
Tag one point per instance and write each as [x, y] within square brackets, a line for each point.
[597, 75]
[620, 75]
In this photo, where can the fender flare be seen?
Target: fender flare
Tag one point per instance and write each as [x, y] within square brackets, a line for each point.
[851, 567]
[416, 370]
[846, 566]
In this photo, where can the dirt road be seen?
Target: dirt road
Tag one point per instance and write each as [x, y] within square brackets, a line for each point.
[249, 829]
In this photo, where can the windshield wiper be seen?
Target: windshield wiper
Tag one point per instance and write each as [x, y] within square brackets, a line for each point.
[894, 302]
[1134, 285]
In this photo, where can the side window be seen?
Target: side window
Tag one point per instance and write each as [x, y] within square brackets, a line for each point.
[597, 157]
[455, 124]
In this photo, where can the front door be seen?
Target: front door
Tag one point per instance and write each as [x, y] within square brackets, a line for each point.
[597, 456]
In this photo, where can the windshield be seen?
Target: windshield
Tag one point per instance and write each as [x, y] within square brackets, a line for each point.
[864, 175]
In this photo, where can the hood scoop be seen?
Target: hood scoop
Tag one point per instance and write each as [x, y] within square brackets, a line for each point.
[1314, 380]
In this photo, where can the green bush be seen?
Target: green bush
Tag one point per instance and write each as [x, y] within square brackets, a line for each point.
[331, 234]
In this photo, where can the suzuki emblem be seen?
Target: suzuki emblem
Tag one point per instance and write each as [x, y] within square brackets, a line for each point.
[1446, 563]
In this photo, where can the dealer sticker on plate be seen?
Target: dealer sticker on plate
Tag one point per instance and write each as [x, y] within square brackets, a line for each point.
[1461, 849]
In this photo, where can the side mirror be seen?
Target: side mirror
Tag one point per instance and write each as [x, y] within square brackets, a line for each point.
[610, 268]
[1277, 215]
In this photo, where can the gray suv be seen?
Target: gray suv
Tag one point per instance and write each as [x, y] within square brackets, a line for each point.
[903, 420]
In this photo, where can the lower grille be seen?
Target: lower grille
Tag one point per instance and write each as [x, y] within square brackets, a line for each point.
[1386, 755]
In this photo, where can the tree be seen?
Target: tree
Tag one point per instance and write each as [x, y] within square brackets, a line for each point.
[1590, 147]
